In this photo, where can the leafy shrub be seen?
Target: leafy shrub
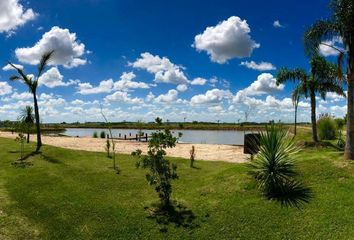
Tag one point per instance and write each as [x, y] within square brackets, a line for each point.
[274, 168]
[340, 122]
[327, 128]
[95, 135]
[103, 134]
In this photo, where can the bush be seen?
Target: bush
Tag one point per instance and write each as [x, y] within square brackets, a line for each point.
[340, 122]
[274, 168]
[95, 135]
[103, 134]
[327, 128]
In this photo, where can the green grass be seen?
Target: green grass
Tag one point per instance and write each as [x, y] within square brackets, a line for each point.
[69, 194]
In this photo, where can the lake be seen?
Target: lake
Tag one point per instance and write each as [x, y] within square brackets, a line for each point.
[188, 136]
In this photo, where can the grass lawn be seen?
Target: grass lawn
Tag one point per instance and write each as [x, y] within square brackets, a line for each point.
[69, 194]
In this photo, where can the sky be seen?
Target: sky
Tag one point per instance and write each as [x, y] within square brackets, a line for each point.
[179, 60]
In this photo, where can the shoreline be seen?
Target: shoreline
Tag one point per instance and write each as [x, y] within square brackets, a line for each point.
[205, 152]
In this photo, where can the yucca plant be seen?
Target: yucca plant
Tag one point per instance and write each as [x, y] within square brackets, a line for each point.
[274, 170]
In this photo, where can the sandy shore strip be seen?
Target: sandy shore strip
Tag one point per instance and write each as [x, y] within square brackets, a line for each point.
[207, 152]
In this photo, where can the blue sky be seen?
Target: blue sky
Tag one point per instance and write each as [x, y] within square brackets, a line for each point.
[204, 60]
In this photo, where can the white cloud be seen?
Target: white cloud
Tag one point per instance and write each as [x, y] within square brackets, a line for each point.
[217, 108]
[150, 97]
[18, 96]
[326, 50]
[169, 97]
[164, 70]
[53, 78]
[120, 96]
[13, 15]
[277, 24]
[262, 66]
[182, 87]
[68, 50]
[8, 67]
[105, 86]
[264, 84]
[226, 40]
[126, 82]
[213, 96]
[5, 88]
[77, 102]
[198, 81]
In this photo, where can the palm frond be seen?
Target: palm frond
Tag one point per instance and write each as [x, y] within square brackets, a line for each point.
[318, 32]
[14, 78]
[46, 57]
[284, 74]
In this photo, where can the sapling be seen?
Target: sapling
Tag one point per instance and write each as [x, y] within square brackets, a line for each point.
[192, 156]
[108, 147]
[21, 139]
[161, 171]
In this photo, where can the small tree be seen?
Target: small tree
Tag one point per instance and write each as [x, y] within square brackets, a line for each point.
[158, 121]
[21, 140]
[27, 118]
[192, 156]
[108, 147]
[113, 144]
[161, 170]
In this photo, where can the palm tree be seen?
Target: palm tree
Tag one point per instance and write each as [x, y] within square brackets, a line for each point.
[321, 79]
[32, 83]
[274, 168]
[340, 24]
[295, 97]
[27, 118]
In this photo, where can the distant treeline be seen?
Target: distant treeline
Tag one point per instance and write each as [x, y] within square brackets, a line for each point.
[148, 125]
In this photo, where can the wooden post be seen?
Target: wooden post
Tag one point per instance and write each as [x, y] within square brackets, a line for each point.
[119, 134]
[125, 137]
[146, 136]
[136, 136]
[130, 134]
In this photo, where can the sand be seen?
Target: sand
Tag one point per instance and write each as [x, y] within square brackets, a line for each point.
[207, 152]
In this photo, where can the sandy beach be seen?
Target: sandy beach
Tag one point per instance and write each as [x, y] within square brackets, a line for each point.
[207, 152]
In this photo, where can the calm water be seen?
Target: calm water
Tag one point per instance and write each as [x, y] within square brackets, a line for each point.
[189, 136]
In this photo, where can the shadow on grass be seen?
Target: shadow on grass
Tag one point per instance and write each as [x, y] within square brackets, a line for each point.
[175, 214]
[50, 159]
[20, 163]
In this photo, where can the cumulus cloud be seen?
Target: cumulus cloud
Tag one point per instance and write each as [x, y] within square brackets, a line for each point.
[169, 97]
[182, 87]
[198, 81]
[52, 78]
[126, 82]
[125, 97]
[105, 86]
[277, 24]
[68, 50]
[5, 88]
[326, 50]
[228, 39]
[18, 96]
[13, 15]
[8, 67]
[264, 84]
[262, 66]
[164, 70]
[213, 96]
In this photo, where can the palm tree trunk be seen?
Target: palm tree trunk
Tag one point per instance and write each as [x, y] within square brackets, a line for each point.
[313, 116]
[38, 124]
[28, 136]
[295, 122]
[349, 145]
